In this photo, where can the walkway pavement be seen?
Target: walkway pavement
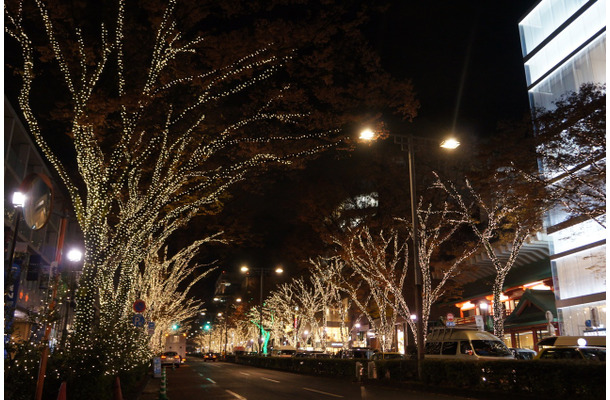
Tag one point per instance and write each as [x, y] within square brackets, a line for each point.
[151, 390]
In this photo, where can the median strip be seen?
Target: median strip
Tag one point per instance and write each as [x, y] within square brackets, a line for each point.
[321, 392]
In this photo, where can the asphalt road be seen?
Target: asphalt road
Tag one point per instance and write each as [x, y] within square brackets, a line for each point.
[226, 381]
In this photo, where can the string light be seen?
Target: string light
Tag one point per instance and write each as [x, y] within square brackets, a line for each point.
[502, 215]
[126, 213]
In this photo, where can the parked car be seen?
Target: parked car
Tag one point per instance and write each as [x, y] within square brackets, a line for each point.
[572, 353]
[356, 352]
[465, 344]
[283, 351]
[523, 354]
[311, 354]
[171, 357]
[387, 356]
[210, 357]
[556, 341]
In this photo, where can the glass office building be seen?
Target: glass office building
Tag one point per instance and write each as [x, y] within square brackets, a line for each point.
[564, 46]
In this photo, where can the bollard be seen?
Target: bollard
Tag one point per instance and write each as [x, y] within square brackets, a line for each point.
[163, 390]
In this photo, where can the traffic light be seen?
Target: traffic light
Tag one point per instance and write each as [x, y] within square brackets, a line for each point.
[175, 326]
[207, 326]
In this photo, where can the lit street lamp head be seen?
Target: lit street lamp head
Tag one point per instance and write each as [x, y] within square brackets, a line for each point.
[367, 135]
[450, 143]
[18, 199]
[279, 270]
[75, 255]
[244, 268]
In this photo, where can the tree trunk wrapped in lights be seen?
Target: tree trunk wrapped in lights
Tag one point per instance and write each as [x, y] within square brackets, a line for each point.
[159, 283]
[437, 227]
[382, 263]
[308, 300]
[508, 216]
[152, 165]
[285, 309]
[326, 277]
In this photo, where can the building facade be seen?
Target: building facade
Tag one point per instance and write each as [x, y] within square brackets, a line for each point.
[36, 255]
[564, 46]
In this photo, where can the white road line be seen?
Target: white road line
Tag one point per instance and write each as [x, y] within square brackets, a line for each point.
[321, 392]
[210, 380]
[245, 373]
[236, 395]
[200, 374]
[270, 380]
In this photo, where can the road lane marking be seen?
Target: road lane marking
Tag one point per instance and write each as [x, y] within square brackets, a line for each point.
[235, 394]
[245, 373]
[210, 380]
[270, 380]
[321, 392]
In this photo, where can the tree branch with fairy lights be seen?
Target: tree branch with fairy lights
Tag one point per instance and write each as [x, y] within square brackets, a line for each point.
[504, 215]
[151, 147]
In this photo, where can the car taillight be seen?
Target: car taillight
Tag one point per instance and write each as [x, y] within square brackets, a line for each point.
[163, 357]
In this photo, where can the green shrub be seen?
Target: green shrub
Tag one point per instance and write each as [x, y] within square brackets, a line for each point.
[538, 378]
[311, 366]
[397, 370]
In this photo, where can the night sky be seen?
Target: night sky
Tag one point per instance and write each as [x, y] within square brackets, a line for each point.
[464, 59]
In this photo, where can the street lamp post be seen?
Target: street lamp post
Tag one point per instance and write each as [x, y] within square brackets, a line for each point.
[246, 269]
[416, 269]
[74, 256]
[407, 141]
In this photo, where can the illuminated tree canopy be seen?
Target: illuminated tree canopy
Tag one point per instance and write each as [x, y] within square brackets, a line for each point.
[162, 122]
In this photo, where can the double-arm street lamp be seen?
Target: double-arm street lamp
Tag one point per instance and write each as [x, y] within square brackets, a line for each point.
[245, 269]
[406, 143]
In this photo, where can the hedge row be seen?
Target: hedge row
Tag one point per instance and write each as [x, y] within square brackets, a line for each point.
[312, 366]
[545, 378]
[542, 378]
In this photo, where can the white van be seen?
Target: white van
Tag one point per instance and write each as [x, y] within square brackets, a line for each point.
[176, 343]
[465, 344]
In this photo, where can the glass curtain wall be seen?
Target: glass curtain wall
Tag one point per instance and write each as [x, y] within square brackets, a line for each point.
[564, 46]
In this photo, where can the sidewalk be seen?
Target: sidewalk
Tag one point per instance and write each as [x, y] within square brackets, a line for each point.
[151, 389]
